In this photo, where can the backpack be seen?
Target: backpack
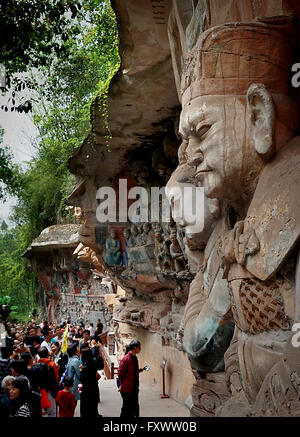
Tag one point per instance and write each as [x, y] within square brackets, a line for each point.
[43, 376]
[61, 381]
[38, 376]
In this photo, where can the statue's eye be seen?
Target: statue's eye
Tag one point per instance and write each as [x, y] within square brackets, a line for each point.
[201, 130]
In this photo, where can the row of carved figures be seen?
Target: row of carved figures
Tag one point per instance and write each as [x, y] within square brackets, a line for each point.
[167, 249]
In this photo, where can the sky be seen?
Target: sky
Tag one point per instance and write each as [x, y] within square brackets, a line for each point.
[20, 135]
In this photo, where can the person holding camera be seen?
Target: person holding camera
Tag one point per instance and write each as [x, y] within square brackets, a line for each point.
[128, 374]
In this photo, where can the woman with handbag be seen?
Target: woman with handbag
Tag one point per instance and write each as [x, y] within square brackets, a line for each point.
[128, 374]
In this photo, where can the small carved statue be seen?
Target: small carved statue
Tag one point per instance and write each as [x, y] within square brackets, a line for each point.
[161, 252]
[176, 254]
[134, 232]
[83, 253]
[113, 255]
[149, 235]
[129, 242]
[140, 236]
[161, 164]
[79, 214]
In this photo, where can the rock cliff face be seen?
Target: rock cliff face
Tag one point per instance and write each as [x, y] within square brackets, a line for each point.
[142, 115]
[203, 98]
[73, 288]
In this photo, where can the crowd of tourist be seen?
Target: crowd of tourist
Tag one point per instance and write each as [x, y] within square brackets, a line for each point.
[45, 369]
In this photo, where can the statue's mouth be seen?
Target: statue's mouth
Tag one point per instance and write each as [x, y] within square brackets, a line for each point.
[200, 174]
[202, 171]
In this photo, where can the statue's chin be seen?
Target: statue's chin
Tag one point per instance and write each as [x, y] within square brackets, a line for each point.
[212, 192]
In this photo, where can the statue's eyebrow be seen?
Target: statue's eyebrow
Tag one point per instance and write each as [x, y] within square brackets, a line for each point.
[196, 117]
[185, 126]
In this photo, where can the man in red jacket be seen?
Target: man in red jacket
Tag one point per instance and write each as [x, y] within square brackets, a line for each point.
[128, 374]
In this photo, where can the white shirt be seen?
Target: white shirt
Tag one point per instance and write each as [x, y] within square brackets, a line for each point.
[57, 357]
[47, 345]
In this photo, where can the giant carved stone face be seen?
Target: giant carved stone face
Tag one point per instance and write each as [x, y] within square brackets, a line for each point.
[196, 236]
[217, 136]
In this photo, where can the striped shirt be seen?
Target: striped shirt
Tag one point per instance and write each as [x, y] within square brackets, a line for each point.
[23, 411]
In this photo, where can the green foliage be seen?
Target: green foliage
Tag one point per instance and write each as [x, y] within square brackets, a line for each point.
[16, 281]
[7, 311]
[32, 30]
[32, 33]
[41, 34]
[3, 226]
[10, 181]
[65, 88]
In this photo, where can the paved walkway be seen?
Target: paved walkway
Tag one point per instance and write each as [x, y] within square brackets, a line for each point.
[151, 405]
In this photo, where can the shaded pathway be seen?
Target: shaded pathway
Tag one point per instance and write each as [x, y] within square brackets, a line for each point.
[151, 405]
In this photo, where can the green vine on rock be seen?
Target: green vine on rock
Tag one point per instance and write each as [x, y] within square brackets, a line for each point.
[103, 107]
[100, 101]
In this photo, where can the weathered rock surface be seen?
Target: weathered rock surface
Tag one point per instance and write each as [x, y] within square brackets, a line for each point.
[217, 74]
[73, 290]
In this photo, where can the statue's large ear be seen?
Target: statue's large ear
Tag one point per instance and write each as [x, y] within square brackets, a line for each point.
[261, 108]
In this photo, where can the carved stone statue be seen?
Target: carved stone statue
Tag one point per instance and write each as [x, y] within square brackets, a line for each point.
[161, 252]
[237, 124]
[140, 241]
[129, 238]
[176, 253]
[129, 242]
[113, 255]
[48, 279]
[78, 214]
[134, 232]
[148, 234]
[207, 323]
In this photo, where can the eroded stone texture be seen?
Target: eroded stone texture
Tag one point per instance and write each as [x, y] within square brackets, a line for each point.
[72, 285]
[228, 64]
[143, 151]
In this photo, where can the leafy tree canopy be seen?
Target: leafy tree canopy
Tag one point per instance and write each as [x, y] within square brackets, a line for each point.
[32, 29]
[17, 282]
[65, 85]
[37, 33]
[10, 180]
